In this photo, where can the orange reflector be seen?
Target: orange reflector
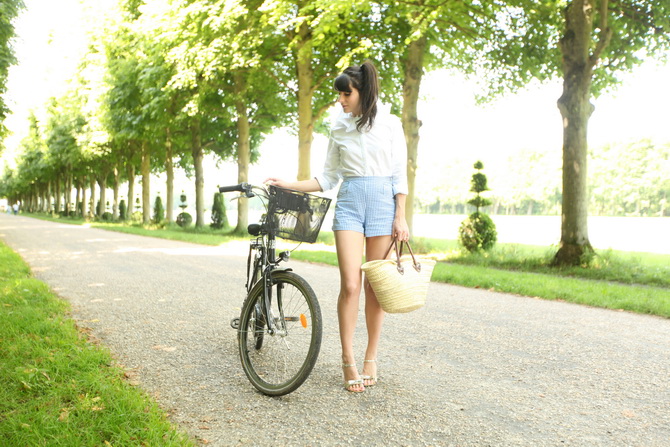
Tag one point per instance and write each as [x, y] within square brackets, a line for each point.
[303, 320]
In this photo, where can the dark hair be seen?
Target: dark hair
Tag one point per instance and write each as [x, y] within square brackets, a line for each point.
[364, 79]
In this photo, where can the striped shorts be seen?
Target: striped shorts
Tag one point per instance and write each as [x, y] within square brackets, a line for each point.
[365, 205]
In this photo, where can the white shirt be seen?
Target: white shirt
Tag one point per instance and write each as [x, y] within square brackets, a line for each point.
[378, 152]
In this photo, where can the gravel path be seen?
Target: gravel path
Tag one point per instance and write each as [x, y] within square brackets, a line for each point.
[472, 368]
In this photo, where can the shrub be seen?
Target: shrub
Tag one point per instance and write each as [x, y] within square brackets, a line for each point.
[184, 219]
[123, 210]
[107, 216]
[477, 232]
[159, 211]
[219, 217]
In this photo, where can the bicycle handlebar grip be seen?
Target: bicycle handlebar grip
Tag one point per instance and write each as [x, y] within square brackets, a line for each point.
[242, 187]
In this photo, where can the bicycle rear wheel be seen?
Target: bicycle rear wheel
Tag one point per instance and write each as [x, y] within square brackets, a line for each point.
[285, 357]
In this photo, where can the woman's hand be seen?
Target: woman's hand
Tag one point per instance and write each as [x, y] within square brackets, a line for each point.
[275, 182]
[400, 229]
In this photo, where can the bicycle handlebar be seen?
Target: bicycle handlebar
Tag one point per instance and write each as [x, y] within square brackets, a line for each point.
[242, 187]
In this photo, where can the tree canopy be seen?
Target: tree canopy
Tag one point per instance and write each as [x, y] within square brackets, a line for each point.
[9, 10]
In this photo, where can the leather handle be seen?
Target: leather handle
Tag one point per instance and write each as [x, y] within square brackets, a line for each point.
[398, 253]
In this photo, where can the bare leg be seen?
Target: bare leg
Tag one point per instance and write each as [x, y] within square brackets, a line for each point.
[375, 248]
[349, 254]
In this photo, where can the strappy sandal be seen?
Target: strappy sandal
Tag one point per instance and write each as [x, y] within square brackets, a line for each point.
[366, 377]
[349, 384]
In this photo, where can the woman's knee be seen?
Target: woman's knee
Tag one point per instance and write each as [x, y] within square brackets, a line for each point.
[350, 289]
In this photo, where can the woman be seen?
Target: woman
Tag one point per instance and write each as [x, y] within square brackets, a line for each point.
[367, 150]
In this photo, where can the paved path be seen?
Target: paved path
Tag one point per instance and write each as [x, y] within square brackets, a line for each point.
[472, 368]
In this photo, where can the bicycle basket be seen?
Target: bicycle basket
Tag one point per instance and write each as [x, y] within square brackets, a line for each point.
[298, 215]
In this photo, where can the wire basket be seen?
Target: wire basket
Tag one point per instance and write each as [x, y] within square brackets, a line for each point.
[298, 215]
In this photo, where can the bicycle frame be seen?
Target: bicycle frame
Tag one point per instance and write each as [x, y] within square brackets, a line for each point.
[264, 264]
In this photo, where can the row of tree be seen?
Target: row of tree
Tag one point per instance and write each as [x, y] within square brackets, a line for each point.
[627, 179]
[167, 81]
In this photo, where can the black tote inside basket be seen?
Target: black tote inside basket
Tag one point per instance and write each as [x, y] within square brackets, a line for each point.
[299, 215]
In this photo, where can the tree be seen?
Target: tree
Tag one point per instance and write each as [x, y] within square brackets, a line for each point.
[478, 232]
[630, 178]
[586, 42]
[222, 58]
[9, 10]
[319, 39]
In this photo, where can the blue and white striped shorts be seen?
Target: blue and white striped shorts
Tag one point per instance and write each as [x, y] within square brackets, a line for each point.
[366, 205]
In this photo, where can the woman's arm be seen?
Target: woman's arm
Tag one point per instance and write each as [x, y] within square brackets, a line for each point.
[400, 227]
[310, 185]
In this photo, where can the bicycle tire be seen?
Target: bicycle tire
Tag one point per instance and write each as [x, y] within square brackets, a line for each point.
[286, 358]
[259, 333]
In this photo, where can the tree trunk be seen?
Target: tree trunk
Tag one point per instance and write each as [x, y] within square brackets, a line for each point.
[58, 196]
[93, 209]
[198, 156]
[243, 152]
[146, 184]
[576, 109]
[77, 199]
[411, 123]
[305, 94]
[130, 170]
[68, 191]
[115, 205]
[102, 183]
[47, 198]
[82, 185]
[169, 171]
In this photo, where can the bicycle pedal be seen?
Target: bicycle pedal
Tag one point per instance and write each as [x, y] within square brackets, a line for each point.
[235, 323]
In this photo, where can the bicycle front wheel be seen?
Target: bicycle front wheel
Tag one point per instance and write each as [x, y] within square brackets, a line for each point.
[291, 334]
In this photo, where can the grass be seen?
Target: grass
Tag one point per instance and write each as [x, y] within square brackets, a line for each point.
[637, 282]
[57, 388]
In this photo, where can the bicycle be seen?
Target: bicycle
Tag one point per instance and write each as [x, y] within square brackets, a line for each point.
[280, 326]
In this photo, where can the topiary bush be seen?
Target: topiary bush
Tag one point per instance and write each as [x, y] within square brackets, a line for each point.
[159, 211]
[219, 217]
[478, 232]
[184, 219]
[123, 210]
[107, 216]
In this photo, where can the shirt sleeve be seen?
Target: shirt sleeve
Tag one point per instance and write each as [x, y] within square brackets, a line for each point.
[399, 154]
[330, 176]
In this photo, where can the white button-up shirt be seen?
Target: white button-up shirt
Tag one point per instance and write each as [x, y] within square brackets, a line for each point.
[378, 152]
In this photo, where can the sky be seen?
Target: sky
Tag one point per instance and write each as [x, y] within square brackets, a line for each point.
[52, 39]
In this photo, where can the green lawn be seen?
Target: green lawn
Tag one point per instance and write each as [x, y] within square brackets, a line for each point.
[57, 388]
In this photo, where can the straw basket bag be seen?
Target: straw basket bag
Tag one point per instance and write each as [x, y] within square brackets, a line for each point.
[401, 284]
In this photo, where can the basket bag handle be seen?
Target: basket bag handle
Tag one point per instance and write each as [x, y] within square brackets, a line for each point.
[398, 253]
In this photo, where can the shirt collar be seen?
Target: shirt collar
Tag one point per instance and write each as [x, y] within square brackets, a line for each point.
[350, 121]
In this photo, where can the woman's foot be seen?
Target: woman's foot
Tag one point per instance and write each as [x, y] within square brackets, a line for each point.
[369, 375]
[354, 385]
